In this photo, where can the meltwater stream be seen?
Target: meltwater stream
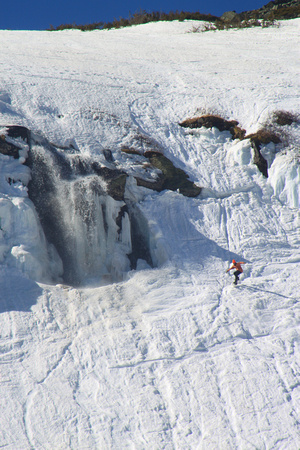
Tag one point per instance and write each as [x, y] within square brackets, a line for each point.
[82, 210]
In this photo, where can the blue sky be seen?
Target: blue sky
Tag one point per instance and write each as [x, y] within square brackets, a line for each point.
[40, 14]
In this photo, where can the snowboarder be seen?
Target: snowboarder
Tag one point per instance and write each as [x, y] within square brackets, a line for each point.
[239, 270]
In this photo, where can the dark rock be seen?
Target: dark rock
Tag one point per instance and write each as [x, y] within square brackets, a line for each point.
[62, 178]
[108, 155]
[230, 17]
[6, 148]
[172, 178]
[258, 159]
[210, 121]
[140, 236]
[130, 151]
[237, 132]
[263, 136]
[116, 180]
[121, 215]
[62, 165]
[116, 186]
[16, 131]
[274, 10]
[155, 185]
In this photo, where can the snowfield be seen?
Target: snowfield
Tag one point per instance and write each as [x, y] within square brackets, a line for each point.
[175, 356]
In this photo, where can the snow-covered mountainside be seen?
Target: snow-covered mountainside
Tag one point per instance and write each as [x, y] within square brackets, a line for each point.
[169, 355]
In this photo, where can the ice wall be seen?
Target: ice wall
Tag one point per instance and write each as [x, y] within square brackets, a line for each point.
[22, 240]
[76, 225]
[284, 177]
[78, 217]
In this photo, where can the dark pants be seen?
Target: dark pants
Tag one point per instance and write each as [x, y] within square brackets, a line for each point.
[236, 274]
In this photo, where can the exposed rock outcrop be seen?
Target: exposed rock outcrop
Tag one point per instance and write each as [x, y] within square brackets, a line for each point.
[258, 159]
[209, 121]
[172, 177]
[230, 17]
[6, 148]
[277, 9]
[272, 11]
[17, 131]
[262, 137]
[81, 208]
[81, 202]
[168, 177]
[14, 132]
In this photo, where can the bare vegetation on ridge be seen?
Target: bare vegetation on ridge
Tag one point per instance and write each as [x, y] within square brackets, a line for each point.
[266, 16]
[139, 18]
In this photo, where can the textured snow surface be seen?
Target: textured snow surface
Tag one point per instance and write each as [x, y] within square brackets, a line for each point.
[174, 357]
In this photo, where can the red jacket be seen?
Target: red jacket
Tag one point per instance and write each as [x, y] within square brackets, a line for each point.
[237, 266]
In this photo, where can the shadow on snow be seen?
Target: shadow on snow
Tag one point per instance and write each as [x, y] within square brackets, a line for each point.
[17, 293]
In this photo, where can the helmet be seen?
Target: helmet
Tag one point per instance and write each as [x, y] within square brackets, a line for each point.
[233, 261]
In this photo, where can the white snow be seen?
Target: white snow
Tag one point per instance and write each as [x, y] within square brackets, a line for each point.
[285, 177]
[173, 357]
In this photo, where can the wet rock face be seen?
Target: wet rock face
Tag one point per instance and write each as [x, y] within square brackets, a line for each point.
[261, 137]
[81, 207]
[172, 178]
[258, 159]
[116, 180]
[6, 148]
[166, 177]
[15, 132]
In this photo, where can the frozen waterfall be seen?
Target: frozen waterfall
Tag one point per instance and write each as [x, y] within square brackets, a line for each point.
[96, 235]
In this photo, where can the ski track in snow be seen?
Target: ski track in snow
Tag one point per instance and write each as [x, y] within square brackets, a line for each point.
[174, 357]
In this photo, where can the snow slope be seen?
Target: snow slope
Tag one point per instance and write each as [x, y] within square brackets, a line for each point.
[173, 357]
